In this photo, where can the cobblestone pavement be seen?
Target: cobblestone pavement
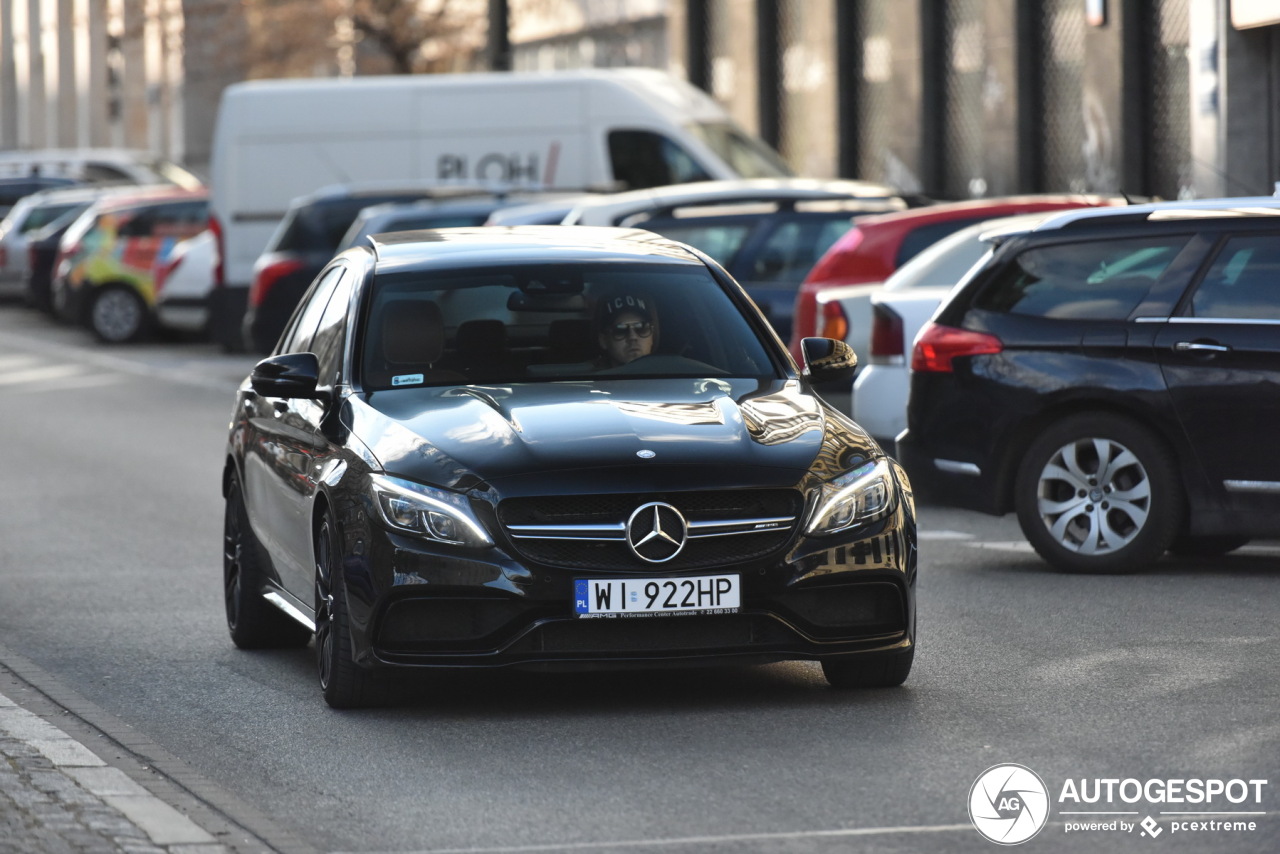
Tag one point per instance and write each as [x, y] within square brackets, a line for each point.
[56, 795]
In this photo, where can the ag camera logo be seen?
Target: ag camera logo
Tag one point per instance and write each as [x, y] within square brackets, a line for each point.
[1009, 804]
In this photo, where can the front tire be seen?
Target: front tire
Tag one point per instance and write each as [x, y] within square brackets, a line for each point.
[118, 315]
[1098, 493]
[252, 621]
[344, 683]
[873, 670]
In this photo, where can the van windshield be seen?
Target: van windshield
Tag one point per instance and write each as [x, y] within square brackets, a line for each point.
[748, 156]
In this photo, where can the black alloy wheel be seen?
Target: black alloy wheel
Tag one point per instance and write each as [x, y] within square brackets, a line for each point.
[344, 683]
[1098, 493]
[869, 670]
[252, 621]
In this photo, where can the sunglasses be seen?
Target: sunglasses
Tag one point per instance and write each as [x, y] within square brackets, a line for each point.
[620, 331]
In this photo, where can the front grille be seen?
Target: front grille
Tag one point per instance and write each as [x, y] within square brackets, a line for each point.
[588, 531]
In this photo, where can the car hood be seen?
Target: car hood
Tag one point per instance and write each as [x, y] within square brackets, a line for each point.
[720, 433]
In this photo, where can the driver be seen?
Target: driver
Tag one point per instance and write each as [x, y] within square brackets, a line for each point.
[627, 329]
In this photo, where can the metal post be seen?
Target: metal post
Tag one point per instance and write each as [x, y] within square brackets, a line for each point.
[499, 36]
[769, 79]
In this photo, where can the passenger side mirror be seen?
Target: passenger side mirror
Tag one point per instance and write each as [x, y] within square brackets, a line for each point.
[827, 360]
[288, 376]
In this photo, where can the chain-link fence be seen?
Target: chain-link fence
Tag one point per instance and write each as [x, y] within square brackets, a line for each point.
[874, 100]
[964, 72]
[1062, 127]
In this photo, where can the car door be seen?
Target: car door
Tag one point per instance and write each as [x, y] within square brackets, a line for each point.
[277, 456]
[1220, 356]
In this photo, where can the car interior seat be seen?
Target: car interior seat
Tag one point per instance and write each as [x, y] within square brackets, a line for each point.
[412, 342]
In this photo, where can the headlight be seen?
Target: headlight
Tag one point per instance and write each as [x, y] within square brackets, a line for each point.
[426, 511]
[862, 495]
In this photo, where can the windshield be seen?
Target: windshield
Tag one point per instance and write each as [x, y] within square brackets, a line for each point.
[556, 322]
[748, 156]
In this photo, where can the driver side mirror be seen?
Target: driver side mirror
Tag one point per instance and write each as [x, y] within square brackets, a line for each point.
[827, 360]
[290, 375]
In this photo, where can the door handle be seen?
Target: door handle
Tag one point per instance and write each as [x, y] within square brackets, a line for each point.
[1200, 347]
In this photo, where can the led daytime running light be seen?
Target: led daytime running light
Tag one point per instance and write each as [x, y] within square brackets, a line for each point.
[423, 510]
[863, 495]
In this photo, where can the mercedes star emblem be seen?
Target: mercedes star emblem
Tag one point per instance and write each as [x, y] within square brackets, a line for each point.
[656, 532]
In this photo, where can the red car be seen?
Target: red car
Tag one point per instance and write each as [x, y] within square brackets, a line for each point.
[877, 245]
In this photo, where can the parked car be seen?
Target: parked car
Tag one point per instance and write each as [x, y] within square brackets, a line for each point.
[869, 252]
[1113, 377]
[42, 257]
[30, 214]
[183, 282]
[13, 190]
[96, 166]
[898, 309]
[546, 212]
[445, 212]
[103, 276]
[307, 238]
[635, 442]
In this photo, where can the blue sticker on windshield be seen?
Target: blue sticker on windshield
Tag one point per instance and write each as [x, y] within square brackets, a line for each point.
[407, 379]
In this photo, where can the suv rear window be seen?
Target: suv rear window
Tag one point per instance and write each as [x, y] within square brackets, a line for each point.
[1099, 280]
[320, 225]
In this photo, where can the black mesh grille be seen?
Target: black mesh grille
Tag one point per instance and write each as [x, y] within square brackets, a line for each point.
[718, 506]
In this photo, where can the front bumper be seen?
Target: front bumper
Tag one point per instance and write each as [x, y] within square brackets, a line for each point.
[415, 604]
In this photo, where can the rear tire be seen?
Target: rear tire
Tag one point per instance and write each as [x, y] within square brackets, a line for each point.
[875, 670]
[1098, 493]
[118, 315]
[252, 621]
[344, 683]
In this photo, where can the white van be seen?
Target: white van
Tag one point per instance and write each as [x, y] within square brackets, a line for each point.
[598, 129]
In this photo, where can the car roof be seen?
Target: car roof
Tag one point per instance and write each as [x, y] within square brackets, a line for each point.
[160, 194]
[483, 246]
[990, 208]
[1241, 206]
[738, 189]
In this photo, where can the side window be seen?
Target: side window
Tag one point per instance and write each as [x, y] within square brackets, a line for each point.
[1243, 282]
[105, 173]
[643, 158]
[329, 337]
[307, 318]
[141, 224]
[794, 247]
[1099, 280]
[920, 239]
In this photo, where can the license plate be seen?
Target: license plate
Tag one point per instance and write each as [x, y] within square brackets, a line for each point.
[650, 597]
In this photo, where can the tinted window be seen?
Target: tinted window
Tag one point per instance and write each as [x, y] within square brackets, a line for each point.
[1100, 280]
[445, 328]
[307, 318]
[328, 340]
[919, 239]
[794, 247]
[748, 156]
[720, 240]
[1244, 281]
[41, 216]
[320, 225]
[645, 159]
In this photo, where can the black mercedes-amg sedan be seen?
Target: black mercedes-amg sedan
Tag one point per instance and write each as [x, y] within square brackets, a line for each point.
[553, 447]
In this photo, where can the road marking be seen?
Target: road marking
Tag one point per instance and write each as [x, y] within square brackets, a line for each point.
[1007, 546]
[698, 840]
[945, 535]
[32, 375]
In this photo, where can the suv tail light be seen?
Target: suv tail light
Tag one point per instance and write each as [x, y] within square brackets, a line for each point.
[834, 323]
[886, 335]
[938, 345]
[219, 270]
[265, 278]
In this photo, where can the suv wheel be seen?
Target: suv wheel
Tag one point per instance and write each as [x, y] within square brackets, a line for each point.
[1098, 493]
[118, 315]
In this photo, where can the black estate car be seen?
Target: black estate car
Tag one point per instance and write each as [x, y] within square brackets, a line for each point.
[547, 448]
[1113, 376]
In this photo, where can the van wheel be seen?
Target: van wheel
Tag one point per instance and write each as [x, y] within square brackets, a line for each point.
[1098, 493]
[118, 315]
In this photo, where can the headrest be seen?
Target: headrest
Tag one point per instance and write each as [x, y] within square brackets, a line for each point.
[480, 339]
[412, 332]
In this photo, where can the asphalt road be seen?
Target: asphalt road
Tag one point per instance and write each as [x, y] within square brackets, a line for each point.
[110, 525]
